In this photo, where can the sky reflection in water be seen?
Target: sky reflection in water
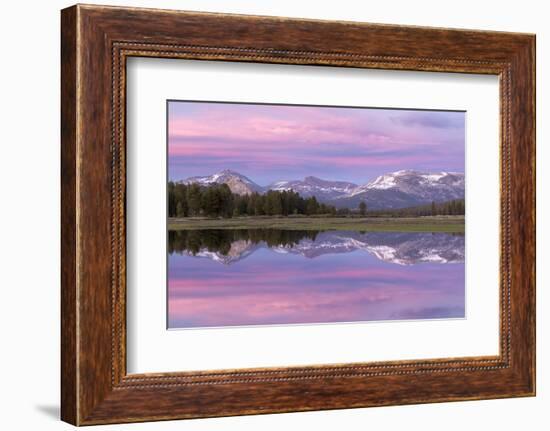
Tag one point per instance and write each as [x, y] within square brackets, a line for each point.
[236, 278]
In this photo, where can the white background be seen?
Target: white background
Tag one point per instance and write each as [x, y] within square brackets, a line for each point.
[151, 348]
[29, 225]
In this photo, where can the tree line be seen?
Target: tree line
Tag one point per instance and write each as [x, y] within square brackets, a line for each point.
[217, 200]
[452, 207]
[220, 240]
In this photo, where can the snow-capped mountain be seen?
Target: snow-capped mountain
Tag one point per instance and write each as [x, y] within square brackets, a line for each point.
[237, 183]
[406, 188]
[438, 186]
[392, 247]
[399, 189]
[323, 190]
[238, 251]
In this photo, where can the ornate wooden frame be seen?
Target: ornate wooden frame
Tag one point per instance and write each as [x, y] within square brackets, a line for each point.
[95, 43]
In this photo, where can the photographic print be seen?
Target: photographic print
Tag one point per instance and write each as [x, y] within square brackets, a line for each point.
[299, 214]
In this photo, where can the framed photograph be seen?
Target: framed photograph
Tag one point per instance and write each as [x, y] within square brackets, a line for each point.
[262, 214]
[374, 242]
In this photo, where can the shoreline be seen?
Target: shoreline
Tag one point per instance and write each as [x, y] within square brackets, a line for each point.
[450, 224]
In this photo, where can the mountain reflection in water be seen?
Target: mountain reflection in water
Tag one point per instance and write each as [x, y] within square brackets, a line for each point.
[229, 246]
[239, 277]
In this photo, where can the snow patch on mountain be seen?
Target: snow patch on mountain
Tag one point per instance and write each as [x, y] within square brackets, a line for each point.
[323, 190]
[237, 182]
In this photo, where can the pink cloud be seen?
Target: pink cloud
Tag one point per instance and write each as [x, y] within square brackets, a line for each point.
[307, 126]
[276, 142]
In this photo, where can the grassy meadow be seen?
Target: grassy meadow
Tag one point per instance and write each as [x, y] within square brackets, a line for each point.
[451, 224]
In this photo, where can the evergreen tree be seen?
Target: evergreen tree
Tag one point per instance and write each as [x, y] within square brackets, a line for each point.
[194, 199]
[180, 210]
[273, 203]
[312, 206]
[259, 206]
[226, 201]
[251, 204]
[171, 200]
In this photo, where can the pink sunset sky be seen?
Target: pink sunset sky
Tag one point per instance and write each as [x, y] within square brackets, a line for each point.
[277, 142]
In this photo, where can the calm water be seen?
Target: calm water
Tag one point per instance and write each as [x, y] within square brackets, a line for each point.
[271, 276]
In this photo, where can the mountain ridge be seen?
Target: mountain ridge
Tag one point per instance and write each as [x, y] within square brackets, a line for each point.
[399, 189]
[238, 183]
[398, 248]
